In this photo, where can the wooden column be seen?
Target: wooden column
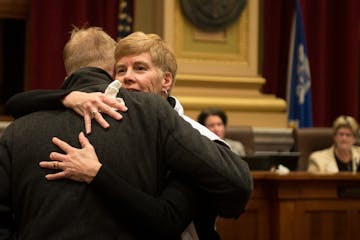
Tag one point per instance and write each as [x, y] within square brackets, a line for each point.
[221, 68]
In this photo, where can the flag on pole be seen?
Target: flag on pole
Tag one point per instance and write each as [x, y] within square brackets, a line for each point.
[299, 80]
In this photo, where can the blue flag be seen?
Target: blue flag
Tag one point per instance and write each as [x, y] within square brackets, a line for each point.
[299, 80]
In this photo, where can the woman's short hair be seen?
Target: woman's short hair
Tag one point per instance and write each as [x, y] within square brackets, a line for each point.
[212, 112]
[139, 42]
[347, 122]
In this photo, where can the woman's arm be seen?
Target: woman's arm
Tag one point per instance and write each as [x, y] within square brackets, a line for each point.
[93, 105]
[35, 100]
[85, 104]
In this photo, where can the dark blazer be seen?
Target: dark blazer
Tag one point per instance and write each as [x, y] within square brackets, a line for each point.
[135, 152]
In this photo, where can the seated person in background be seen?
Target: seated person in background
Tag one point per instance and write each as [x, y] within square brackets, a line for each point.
[215, 119]
[343, 155]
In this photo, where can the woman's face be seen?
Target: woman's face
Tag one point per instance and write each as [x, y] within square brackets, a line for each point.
[138, 73]
[344, 138]
[216, 125]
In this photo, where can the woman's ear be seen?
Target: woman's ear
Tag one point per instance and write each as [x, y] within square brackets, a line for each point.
[354, 140]
[167, 82]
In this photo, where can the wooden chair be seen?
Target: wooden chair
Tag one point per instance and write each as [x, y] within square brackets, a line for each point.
[308, 140]
[244, 134]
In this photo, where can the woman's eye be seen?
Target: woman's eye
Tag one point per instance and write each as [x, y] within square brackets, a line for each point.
[140, 68]
[120, 70]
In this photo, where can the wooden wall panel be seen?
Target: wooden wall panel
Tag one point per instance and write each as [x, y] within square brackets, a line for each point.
[299, 206]
[17, 9]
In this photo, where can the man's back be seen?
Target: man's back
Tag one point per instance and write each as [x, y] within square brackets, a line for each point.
[149, 140]
[66, 208]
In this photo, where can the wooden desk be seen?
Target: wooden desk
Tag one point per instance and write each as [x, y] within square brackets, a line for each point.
[298, 206]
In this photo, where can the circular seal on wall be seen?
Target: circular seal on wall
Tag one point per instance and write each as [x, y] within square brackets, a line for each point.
[212, 14]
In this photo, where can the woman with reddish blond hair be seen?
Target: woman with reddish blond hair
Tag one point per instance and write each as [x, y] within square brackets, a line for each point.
[343, 155]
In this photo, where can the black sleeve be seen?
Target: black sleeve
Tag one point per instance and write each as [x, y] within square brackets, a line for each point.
[164, 216]
[6, 219]
[35, 100]
[222, 175]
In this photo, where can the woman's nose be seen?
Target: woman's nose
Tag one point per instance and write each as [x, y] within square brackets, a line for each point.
[128, 81]
[129, 78]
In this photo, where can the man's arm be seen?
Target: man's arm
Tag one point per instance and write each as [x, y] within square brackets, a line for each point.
[165, 216]
[221, 174]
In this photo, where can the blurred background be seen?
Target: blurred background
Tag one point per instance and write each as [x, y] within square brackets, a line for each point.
[246, 60]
